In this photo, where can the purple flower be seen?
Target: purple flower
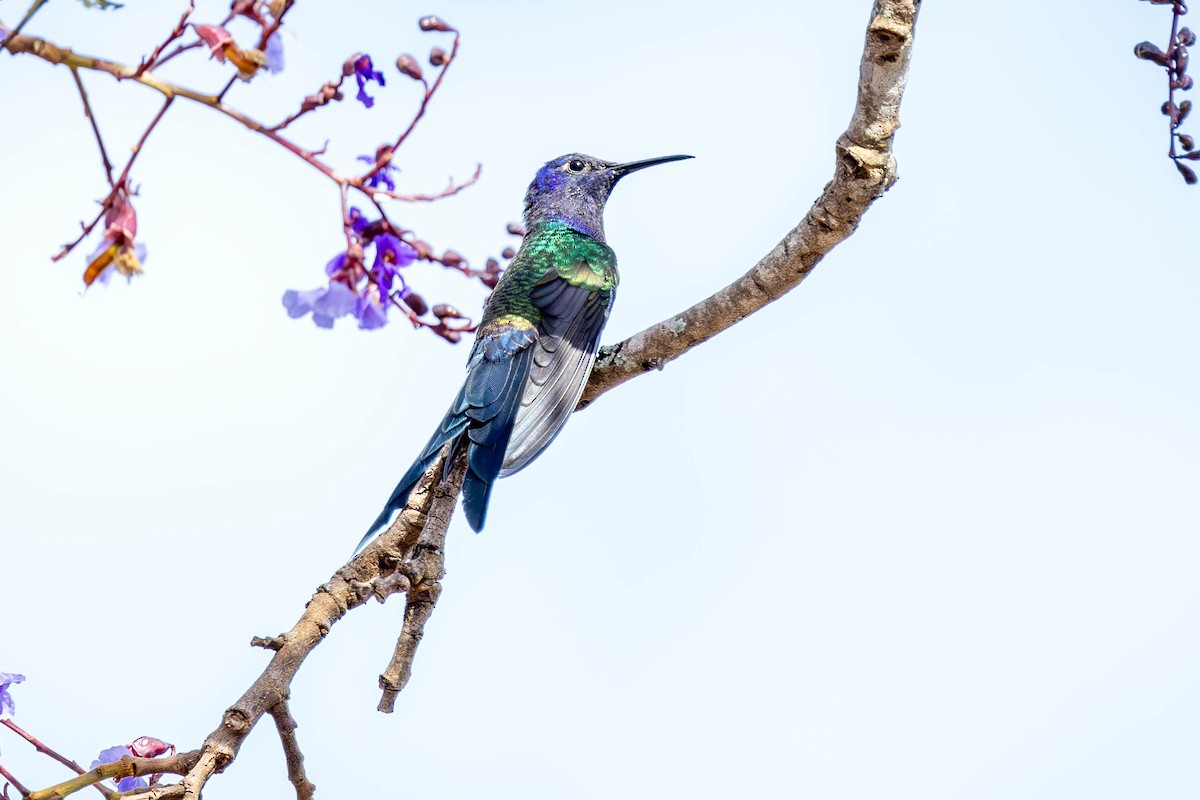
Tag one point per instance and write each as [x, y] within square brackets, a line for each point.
[364, 73]
[326, 303]
[358, 223]
[336, 264]
[381, 178]
[371, 312]
[7, 707]
[390, 254]
[275, 53]
[116, 753]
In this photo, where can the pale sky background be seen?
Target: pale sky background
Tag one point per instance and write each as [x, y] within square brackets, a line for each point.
[925, 528]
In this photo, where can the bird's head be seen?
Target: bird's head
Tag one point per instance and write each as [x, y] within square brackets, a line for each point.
[573, 189]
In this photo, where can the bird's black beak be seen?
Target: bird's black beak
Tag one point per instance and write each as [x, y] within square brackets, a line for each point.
[633, 166]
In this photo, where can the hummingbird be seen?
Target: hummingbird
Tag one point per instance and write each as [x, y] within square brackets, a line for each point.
[537, 339]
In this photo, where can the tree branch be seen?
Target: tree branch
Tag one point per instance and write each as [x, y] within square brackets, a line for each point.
[408, 557]
[864, 169]
[286, 725]
[372, 573]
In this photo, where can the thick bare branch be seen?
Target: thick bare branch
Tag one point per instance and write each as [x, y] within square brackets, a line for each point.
[864, 169]
[370, 574]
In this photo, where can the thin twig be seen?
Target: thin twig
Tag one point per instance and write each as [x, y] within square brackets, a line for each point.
[150, 62]
[33, 9]
[104, 204]
[286, 725]
[429, 93]
[49, 751]
[87, 111]
[8, 776]
[451, 190]
[179, 50]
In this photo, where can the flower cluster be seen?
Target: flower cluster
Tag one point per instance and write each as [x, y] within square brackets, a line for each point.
[358, 291]
[368, 293]
[1175, 61]
[364, 281]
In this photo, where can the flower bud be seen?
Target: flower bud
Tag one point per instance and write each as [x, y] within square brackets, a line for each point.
[1189, 177]
[515, 229]
[452, 259]
[1185, 108]
[149, 747]
[437, 57]
[507, 252]
[490, 279]
[409, 66]
[1187, 142]
[416, 303]
[1149, 51]
[1184, 82]
[446, 311]
[1186, 37]
[424, 249]
[432, 23]
[350, 64]
[491, 265]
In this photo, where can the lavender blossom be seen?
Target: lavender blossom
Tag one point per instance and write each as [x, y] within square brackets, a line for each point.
[116, 753]
[7, 707]
[275, 53]
[326, 303]
[371, 311]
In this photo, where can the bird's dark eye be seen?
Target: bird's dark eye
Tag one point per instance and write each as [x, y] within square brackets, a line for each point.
[576, 165]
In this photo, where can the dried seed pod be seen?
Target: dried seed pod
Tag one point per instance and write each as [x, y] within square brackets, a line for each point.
[409, 66]
[446, 311]
[1187, 142]
[1186, 37]
[416, 303]
[432, 23]
[1149, 51]
[1189, 177]
[437, 57]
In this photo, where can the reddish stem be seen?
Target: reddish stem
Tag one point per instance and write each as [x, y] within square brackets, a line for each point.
[42, 748]
[8, 776]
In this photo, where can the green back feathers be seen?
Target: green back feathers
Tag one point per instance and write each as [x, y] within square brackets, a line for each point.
[551, 250]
